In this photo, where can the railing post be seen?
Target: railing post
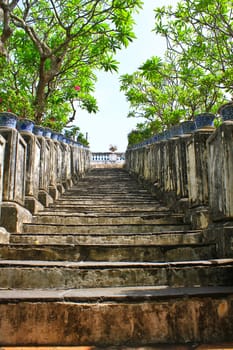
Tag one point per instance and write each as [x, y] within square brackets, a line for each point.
[32, 174]
[155, 171]
[197, 176]
[14, 181]
[66, 165]
[59, 188]
[54, 169]
[4, 235]
[178, 169]
[74, 163]
[220, 171]
[44, 171]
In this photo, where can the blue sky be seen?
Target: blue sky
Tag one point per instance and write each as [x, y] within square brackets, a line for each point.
[111, 125]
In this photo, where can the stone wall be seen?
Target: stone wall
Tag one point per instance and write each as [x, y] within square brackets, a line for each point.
[34, 171]
[193, 174]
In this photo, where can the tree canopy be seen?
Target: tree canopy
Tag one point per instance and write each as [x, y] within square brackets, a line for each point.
[50, 50]
[196, 72]
[165, 92]
[200, 33]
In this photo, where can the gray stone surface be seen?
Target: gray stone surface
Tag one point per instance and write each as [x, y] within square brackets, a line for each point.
[14, 216]
[4, 236]
[220, 172]
[176, 320]
[193, 175]
[14, 178]
[29, 165]
[79, 277]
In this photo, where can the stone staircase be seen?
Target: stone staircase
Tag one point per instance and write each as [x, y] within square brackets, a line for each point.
[108, 264]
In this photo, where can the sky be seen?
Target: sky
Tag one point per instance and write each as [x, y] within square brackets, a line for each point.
[110, 125]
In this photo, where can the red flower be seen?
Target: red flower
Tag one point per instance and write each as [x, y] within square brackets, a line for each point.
[1, 100]
[77, 88]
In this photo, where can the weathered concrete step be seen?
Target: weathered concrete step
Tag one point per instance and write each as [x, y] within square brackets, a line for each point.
[108, 212]
[142, 316]
[71, 219]
[104, 178]
[128, 192]
[109, 207]
[102, 295]
[89, 193]
[114, 189]
[119, 252]
[165, 238]
[110, 182]
[119, 188]
[105, 201]
[216, 346]
[63, 274]
[109, 188]
[136, 228]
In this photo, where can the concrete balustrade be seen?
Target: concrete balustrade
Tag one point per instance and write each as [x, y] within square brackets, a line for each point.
[34, 171]
[192, 173]
[220, 169]
[4, 235]
[55, 180]
[45, 171]
[31, 201]
[13, 212]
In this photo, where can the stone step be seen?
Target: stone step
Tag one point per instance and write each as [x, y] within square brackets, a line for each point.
[108, 261]
[109, 188]
[122, 229]
[96, 190]
[106, 201]
[157, 239]
[108, 194]
[115, 207]
[67, 274]
[72, 219]
[114, 192]
[107, 212]
[110, 252]
[133, 315]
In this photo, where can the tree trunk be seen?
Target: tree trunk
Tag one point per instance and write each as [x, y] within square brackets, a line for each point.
[46, 76]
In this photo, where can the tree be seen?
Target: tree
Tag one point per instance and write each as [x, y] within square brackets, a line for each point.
[200, 33]
[6, 8]
[151, 92]
[166, 92]
[196, 72]
[143, 131]
[64, 42]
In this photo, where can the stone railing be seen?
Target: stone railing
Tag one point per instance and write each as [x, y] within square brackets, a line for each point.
[193, 174]
[107, 157]
[34, 171]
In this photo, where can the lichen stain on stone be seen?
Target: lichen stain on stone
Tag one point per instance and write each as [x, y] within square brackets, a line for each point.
[222, 309]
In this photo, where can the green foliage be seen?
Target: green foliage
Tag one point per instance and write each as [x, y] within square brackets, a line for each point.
[82, 139]
[196, 73]
[200, 33]
[168, 92]
[72, 132]
[54, 46]
[143, 132]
